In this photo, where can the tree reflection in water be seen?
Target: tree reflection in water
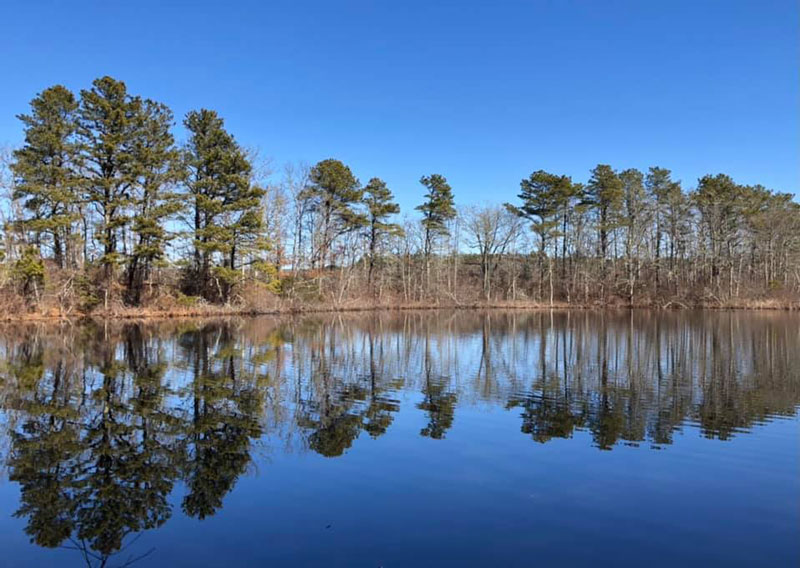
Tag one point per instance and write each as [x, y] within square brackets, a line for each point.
[102, 421]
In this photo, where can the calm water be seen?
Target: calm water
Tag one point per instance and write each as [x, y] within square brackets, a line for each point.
[418, 439]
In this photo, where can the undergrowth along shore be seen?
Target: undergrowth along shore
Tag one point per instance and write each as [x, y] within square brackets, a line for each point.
[310, 308]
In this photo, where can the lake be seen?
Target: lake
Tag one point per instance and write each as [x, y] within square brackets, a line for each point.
[430, 438]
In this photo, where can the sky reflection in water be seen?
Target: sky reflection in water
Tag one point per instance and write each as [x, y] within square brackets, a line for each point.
[419, 438]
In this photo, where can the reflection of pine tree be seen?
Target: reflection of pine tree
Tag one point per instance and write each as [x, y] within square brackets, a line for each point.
[343, 407]
[225, 418]
[440, 405]
[381, 409]
[672, 401]
[48, 441]
[606, 420]
[96, 470]
[607, 423]
[438, 402]
[548, 414]
[131, 465]
[379, 414]
[335, 419]
[335, 434]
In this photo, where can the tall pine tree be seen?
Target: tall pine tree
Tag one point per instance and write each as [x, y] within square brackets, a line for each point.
[604, 193]
[545, 198]
[333, 194]
[636, 211]
[45, 170]
[107, 127]
[157, 168]
[226, 206]
[437, 210]
[670, 215]
[380, 206]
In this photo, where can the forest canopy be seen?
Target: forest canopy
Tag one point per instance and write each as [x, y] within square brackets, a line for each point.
[105, 210]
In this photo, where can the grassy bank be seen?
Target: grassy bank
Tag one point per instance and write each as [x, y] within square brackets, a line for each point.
[289, 308]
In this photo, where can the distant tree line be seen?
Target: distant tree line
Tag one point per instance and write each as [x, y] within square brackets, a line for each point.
[104, 208]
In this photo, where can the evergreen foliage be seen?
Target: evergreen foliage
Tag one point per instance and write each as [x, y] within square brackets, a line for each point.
[107, 209]
[333, 194]
[378, 200]
[45, 168]
[437, 209]
[227, 215]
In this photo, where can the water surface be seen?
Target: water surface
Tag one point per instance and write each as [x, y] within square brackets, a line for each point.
[411, 439]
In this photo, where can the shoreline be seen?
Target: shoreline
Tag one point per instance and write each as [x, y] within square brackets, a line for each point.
[236, 311]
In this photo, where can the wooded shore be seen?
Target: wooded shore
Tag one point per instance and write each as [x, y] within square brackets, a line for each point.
[103, 213]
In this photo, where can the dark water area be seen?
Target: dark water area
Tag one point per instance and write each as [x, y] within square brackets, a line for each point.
[412, 439]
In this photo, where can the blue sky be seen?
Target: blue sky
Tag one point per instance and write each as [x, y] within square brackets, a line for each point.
[482, 92]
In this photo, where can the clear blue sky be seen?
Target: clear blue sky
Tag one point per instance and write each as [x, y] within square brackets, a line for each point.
[482, 92]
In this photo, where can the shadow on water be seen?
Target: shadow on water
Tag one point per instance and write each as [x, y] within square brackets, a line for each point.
[102, 423]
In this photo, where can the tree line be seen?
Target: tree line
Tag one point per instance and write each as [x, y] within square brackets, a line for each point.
[104, 208]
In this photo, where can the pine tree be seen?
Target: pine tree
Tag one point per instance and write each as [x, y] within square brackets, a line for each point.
[541, 193]
[226, 205]
[45, 171]
[28, 272]
[545, 198]
[635, 210]
[380, 205]
[604, 194]
[107, 127]
[333, 194]
[657, 183]
[438, 208]
[566, 198]
[718, 199]
[157, 168]
[670, 216]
